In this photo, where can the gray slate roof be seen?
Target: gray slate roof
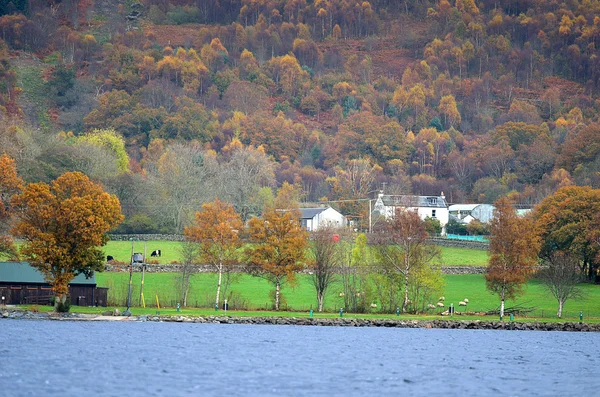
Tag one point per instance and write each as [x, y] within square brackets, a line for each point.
[309, 213]
[21, 272]
[414, 201]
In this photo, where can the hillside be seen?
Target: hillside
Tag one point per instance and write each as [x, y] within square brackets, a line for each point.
[477, 100]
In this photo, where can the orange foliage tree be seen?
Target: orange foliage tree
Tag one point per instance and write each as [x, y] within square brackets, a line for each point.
[514, 246]
[63, 224]
[216, 230]
[279, 247]
[10, 184]
[568, 221]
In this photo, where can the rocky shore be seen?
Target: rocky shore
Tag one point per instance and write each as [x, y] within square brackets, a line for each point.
[324, 322]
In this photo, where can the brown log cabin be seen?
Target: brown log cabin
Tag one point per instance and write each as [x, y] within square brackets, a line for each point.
[22, 284]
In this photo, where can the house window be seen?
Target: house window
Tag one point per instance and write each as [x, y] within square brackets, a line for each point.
[432, 200]
[433, 213]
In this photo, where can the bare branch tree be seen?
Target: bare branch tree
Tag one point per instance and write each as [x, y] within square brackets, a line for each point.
[561, 277]
[326, 259]
[188, 253]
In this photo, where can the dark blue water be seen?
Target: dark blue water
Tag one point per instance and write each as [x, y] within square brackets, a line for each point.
[47, 358]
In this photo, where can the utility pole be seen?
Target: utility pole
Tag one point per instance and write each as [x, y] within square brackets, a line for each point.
[128, 311]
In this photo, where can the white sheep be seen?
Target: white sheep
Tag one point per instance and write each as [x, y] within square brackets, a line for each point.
[342, 294]
[466, 300]
[374, 305]
[430, 306]
[440, 304]
[462, 303]
[442, 299]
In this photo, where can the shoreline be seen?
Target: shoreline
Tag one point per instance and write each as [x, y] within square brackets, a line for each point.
[322, 322]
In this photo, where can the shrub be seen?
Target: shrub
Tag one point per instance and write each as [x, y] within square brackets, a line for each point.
[455, 227]
[477, 228]
[433, 226]
[236, 301]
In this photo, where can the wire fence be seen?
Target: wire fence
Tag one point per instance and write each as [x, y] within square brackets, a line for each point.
[483, 239]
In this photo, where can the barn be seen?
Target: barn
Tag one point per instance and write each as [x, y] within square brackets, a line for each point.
[314, 218]
[23, 284]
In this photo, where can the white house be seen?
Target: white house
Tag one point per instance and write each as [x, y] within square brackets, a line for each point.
[313, 218]
[426, 206]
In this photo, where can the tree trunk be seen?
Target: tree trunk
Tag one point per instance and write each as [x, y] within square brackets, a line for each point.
[185, 294]
[219, 285]
[59, 300]
[406, 269]
[560, 308]
[320, 298]
[405, 302]
[277, 288]
[502, 309]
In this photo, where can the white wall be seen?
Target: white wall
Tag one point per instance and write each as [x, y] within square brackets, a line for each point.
[327, 217]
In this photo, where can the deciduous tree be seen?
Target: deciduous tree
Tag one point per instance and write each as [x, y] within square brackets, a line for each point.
[567, 221]
[216, 230]
[63, 225]
[279, 247]
[514, 246]
[403, 248]
[326, 260]
[561, 276]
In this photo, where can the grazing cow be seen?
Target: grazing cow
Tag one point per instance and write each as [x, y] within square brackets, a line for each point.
[109, 258]
[155, 253]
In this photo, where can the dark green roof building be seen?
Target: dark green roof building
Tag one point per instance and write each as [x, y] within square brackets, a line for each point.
[23, 284]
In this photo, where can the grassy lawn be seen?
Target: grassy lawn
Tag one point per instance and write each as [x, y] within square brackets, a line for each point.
[463, 257]
[252, 294]
[121, 251]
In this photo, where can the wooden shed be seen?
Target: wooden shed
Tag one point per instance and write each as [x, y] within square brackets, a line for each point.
[23, 284]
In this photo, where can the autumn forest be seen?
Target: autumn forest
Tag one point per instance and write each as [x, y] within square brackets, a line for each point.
[170, 104]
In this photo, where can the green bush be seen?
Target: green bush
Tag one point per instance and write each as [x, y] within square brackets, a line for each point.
[433, 226]
[455, 227]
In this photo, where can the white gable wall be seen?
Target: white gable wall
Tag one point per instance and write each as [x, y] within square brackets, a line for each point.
[329, 217]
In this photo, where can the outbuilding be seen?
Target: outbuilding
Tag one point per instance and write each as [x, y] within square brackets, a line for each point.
[23, 284]
[313, 218]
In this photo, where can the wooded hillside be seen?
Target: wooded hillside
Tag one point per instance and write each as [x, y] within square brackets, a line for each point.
[170, 104]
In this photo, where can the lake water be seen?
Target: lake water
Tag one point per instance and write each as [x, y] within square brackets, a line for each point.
[50, 358]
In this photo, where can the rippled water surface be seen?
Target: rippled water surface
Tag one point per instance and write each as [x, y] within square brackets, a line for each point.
[48, 358]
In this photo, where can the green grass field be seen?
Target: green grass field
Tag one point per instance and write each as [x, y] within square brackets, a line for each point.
[121, 251]
[253, 294]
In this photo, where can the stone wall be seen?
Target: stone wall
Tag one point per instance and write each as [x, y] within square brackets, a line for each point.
[324, 322]
[445, 242]
[150, 268]
[174, 268]
[463, 269]
[357, 322]
[146, 237]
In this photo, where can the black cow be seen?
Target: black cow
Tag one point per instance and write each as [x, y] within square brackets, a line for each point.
[155, 253]
[109, 258]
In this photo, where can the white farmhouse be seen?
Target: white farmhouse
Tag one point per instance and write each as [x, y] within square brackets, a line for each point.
[313, 218]
[426, 206]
